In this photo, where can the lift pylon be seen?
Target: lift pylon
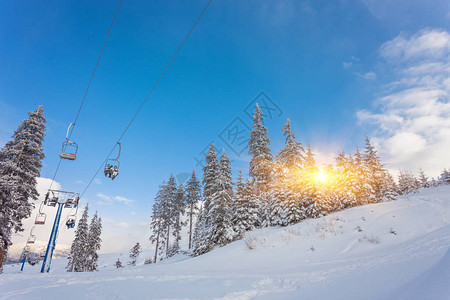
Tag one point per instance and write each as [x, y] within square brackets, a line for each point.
[61, 199]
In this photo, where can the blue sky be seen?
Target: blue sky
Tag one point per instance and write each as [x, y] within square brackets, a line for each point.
[340, 70]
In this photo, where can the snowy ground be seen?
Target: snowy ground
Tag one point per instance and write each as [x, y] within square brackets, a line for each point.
[401, 252]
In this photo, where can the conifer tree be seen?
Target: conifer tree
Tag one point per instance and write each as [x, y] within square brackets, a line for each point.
[201, 237]
[80, 245]
[210, 174]
[444, 177]
[20, 165]
[377, 176]
[118, 264]
[258, 147]
[94, 243]
[178, 211]
[211, 170]
[291, 156]
[157, 223]
[423, 179]
[134, 254]
[193, 196]
[407, 183]
[170, 210]
[219, 214]
[309, 190]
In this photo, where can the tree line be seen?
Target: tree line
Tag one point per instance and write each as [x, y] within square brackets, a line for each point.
[280, 191]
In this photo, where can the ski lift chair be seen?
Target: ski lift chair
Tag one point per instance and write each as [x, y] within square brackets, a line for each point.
[113, 163]
[71, 202]
[26, 249]
[40, 219]
[69, 149]
[70, 223]
[31, 239]
[52, 201]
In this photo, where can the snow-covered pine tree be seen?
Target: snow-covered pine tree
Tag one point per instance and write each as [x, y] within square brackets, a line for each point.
[258, 147]
[202, 231]
[178, 211]
[94, 243]
[200, 240]
[407, 183]
[286, 190]
[193, 196]
[170, 210]
[210, 175]
[444, 178]
[309, 191]
[134, 254]
[361, 187]
[219, 212]
[157, 224]
[377, 176]
[20, 165]
[238, 211]
[423, 179]
[118, 264]
[80, 245]
[291, 156]
[244, 209]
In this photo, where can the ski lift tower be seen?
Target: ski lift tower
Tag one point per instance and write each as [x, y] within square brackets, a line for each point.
[61, 199]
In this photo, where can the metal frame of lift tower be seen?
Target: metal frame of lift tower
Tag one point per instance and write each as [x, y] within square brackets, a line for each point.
[61, 199]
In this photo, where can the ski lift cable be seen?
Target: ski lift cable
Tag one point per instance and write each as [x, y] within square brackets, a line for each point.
[95, 69]
[87, 89]
[146, 98]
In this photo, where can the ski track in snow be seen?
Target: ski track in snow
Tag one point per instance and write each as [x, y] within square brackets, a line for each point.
[344, 264]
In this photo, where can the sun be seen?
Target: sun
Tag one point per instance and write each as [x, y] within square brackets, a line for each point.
[321, 177]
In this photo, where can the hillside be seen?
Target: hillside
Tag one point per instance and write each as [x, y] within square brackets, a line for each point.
[393, 250]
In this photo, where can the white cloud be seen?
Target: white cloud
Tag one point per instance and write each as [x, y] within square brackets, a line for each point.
[123, 225]
[413, 118]
[123, 200]
[104, 197]
[347, 64]
[369, 75]
[426, 44]
[97, 181]
[108, 200]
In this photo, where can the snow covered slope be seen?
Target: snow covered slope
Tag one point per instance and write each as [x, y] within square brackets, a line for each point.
[394, 250]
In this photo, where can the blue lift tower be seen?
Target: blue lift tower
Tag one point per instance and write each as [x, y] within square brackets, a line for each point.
[59, 199]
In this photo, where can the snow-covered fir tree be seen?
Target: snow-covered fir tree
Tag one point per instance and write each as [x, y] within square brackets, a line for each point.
[94, 243]
[157, 223]
[407, 183]
[200, 241]
[306, 178]
[423, 179]
[377, 176]
[170, 211]
[134, 254]
[193, 196]
[20, 165]
[291, 156]
[210, 174]
[244, 208]
[203, 242]
[178, 211]
[118, 264]
[220, 208]
[80, 245]
[258, 147]
[444, 178]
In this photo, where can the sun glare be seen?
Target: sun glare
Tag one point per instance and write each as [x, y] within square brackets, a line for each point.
[321, 177]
